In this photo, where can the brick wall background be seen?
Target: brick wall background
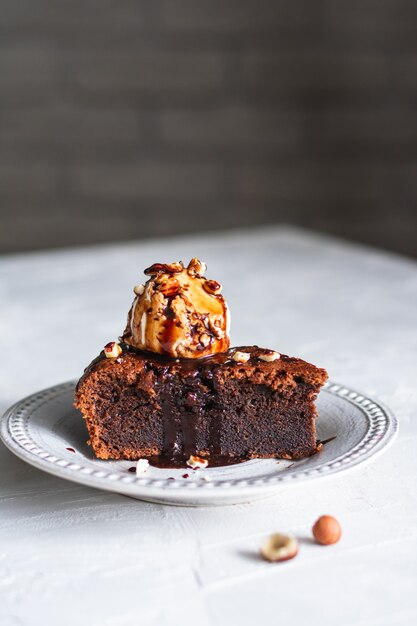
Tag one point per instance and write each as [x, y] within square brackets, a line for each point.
[128, 118]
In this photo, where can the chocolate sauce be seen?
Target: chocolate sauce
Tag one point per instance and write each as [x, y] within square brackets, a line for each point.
[167, 268]
[168, 312]
[167, 337]
[180, 419]
[170, 429]
[179, 429]
[323, 443]
[164, 462]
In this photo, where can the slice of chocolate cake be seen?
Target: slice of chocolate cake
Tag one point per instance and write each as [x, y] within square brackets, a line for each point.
[245, 403]
[171, 389]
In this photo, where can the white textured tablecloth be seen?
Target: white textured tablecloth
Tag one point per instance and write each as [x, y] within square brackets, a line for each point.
[73, 556]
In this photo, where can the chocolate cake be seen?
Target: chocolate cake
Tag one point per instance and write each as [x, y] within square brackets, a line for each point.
[171, 389]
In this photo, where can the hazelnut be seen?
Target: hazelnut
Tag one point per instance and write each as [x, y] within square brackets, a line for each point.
[241, 357]
[212, 287]
[112, 350]
[327, 530]
[161, 278]
[156, 268]
[269, 356]
[142, 466]
[138, 289]
[197, 462]
[204, 339]
[174, 268]
[196, 267]
[279, 547]
[170, 288]
[166, 268]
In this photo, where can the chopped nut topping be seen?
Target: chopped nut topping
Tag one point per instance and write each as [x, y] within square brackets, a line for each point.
[112, 350]
[269, 356]
[175, 268]
[138, 289]
[170, 288]
[196, 267]
[197, 462]
[161, 278]
[204, 339]
[167, 268]
[241, 357]
[212, 286]
[142, 466]
[156, 268]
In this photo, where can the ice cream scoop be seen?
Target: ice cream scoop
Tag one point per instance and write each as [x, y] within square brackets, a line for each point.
[178, 312]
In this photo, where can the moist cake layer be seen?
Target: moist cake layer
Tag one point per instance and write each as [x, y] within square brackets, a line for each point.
[143, 404]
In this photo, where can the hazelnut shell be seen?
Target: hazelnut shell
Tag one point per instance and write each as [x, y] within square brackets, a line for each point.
[278, 548]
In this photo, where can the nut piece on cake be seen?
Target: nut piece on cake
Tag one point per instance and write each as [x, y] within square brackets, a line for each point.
[197, 462]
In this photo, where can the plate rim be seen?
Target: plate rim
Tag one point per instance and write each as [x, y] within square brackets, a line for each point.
[381, 432]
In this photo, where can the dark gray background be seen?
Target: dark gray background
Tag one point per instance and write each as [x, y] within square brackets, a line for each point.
[130, 118]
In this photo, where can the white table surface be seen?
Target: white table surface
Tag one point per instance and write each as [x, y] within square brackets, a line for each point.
[71, 555]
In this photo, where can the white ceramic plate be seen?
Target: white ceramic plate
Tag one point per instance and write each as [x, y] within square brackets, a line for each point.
[47, 432]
